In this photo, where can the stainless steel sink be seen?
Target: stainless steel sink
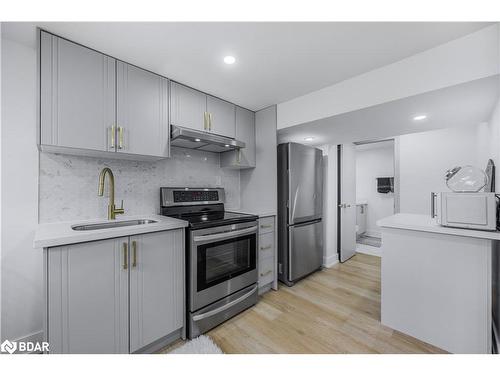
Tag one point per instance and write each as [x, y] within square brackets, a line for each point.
[117, 224]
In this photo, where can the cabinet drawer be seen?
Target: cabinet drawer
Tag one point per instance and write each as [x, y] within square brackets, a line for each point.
[266, 224]
[266, 271]
[266, 245]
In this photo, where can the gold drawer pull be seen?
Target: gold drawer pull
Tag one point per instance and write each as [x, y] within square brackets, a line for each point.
[266, 247]
[265, 226]
[266, 273]
[125, 256]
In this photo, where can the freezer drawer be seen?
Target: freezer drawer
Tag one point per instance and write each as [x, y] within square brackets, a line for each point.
[305, 246]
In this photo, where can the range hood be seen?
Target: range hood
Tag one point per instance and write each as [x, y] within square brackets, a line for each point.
[199, 140]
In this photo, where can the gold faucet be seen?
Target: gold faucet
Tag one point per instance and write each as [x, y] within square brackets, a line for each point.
[112, 210]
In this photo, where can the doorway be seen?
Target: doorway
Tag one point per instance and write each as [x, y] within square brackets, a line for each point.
[366, 194]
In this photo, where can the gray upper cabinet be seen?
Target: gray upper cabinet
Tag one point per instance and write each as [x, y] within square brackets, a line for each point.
[77, 95]
[142, 112]
[221, 117]
[92, 104]
[245, 131]
[196, 110]
[187, 107]
[156, 286]
[87, 293]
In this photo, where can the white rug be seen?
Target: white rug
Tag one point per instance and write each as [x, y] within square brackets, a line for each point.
[200, 345]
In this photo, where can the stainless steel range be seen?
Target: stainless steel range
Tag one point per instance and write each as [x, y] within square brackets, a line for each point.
[221, 253]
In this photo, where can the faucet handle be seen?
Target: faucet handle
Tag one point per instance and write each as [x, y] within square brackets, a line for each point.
[121, 207]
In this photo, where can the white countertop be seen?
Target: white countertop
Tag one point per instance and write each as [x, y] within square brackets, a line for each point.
[424, 223]
[257, 213]
[61, 233]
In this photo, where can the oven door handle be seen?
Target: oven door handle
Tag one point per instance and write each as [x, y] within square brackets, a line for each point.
[221, 236]
[213, 312]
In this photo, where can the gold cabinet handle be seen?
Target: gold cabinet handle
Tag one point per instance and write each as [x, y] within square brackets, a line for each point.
[266, 226]
[238, 156]
[210, 121]
[112, 136]
[125, 256]
[134, 251]
[266, 273]
[266, 247]
[205, 120]
[120, 137]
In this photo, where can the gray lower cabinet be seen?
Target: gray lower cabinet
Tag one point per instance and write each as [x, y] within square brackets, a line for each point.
[156, 287]
[245, 131]
[77, 96]
[142, 112]
[268, 277]
[115, 296]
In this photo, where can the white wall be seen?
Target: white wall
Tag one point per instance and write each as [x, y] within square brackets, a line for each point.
[330, 254]
[21, 272]
[372, 161]
[425, 157]
[462, 60]
[491, 142]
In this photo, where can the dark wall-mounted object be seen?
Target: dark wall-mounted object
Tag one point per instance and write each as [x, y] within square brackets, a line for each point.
[385, 185]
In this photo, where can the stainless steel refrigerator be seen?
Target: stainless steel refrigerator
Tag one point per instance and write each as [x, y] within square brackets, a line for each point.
[300, 203]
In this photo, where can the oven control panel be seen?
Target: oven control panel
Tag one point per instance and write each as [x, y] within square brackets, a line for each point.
[195, 196]
[191, 196]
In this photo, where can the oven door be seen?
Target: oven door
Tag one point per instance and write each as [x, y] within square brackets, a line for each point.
[223, 260]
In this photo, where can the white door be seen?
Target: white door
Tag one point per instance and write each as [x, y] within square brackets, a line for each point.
[142, 111]
[87, 295]
[77, 92]
[156, 286]
[222, 117]
[187, 107]
[347, 200]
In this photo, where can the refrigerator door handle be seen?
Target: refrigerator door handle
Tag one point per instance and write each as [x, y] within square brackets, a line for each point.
[305, 223]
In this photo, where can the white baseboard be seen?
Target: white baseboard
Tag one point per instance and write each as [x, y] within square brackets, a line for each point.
[369, 250]
[330, 261]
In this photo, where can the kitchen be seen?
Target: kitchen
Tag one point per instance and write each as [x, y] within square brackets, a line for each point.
[120, 162]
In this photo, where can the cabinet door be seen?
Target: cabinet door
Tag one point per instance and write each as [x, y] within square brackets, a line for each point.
[88, 297]
[142, 111]
[245, 131]
[156, 286]
[222, 116]
[77, 95]
[187, 107]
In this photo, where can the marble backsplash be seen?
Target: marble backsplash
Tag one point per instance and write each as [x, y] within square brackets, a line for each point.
[68, 184]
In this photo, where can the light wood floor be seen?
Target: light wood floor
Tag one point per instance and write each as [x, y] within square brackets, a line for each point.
[335, 310]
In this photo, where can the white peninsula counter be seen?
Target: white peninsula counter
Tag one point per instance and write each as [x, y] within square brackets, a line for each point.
[437, 282]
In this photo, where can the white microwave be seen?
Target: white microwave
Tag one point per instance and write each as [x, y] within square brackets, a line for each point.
[465, 210]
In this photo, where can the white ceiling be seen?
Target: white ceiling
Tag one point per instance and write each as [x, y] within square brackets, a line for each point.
[275, 61]
[466, 104]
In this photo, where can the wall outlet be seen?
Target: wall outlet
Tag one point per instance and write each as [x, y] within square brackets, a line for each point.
[218, 181]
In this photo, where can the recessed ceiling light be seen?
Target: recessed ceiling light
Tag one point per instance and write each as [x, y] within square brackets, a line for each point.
[308, 139]
[197, 139]
[229, 60]
[420, 117]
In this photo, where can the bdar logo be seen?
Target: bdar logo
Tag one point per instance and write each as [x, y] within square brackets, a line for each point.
[8, 347]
